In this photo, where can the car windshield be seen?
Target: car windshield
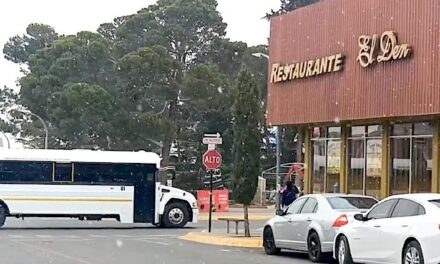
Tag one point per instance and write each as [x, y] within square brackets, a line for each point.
[351, 202]
[436, 202]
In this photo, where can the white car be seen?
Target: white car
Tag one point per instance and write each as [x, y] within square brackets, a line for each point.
[400, 229]
[309, 224]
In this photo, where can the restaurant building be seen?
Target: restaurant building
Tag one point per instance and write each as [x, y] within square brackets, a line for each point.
[362, 78]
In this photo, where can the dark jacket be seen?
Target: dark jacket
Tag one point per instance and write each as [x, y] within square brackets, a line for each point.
[289, 196]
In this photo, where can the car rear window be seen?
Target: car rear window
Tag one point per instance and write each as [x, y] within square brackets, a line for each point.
[436, 202]
[351, 202]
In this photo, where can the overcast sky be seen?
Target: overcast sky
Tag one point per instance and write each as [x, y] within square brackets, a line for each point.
[68, 17]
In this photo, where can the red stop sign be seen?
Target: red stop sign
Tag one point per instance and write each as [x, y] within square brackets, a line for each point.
[212, 159]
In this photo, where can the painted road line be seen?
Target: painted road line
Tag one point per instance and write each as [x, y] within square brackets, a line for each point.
[219, 240]
[54, 253]
[152, 242]
[44, 236]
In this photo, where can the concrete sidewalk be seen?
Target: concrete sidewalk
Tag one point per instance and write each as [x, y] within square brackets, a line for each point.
[219, 239]
[255, 214]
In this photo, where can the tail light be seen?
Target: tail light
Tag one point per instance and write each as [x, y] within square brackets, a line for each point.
[342, 220]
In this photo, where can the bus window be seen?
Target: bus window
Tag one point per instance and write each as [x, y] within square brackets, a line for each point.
[25, 172]
[63, 172]
[108, 173]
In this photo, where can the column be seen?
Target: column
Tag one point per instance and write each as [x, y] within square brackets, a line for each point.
[436, 158]
[384, 185]
[343, 169]
[307, 161]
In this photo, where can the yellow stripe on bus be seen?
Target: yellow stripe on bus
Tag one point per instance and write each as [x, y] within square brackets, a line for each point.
[16, 199]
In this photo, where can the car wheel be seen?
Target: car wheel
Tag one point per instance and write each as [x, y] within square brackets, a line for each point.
[314, 248]
[2, 215]
[175, 216]
[269, 242]
[413, 254]
[343, 254]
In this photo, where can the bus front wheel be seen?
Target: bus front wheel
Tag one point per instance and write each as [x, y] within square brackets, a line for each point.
[175, 215]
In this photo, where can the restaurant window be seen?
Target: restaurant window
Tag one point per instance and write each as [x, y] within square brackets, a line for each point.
[365, 160]
[411, 157]
[326, 144]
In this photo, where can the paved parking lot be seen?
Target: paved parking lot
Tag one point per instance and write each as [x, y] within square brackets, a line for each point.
[40, 241]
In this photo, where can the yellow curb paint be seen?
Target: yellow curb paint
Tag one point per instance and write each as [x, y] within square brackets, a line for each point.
[244, 242]
[251, 217]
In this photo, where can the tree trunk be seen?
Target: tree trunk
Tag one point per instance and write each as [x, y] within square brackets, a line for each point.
[247, 232]
[165, 153]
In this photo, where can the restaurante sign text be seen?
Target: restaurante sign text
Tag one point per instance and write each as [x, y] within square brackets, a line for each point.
[283, 73]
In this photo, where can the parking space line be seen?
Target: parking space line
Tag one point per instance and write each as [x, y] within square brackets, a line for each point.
[56, 253]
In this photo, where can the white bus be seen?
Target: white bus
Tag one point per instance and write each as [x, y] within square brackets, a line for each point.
[90, 185]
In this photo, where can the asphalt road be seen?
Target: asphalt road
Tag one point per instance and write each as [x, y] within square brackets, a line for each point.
[44, 241]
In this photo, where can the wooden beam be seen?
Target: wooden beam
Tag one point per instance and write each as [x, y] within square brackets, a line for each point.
[384, 184]
[308, 161]
[343, 162]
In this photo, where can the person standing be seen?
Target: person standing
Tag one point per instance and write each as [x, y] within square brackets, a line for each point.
[289, 194]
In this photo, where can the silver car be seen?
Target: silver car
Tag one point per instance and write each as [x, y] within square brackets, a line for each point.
[309, 224]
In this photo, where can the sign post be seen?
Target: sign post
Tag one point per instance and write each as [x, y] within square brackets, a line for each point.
[210, 201]
[212, 160]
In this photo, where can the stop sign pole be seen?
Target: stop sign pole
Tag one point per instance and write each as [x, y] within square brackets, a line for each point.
[212, 160]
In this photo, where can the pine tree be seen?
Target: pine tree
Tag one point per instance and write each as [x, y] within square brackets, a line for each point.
[247, 142]
[290, 5]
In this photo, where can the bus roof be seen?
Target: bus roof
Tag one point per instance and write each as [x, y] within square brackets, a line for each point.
[80, 155]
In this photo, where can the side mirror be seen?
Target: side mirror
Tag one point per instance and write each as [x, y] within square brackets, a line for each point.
[280, 212]
[360, 217]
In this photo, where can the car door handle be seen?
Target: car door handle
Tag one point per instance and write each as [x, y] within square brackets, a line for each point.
[377, 226]
[290, 220]
[309, 220]
[404, 225]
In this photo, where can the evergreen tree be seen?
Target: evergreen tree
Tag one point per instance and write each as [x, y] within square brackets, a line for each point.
[290, 5]
[247, 142]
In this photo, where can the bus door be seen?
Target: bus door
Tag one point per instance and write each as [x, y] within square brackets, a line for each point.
[144, 193]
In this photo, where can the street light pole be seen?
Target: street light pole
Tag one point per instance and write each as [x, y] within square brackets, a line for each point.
[42, 121]
[278, 158]
[278, 146]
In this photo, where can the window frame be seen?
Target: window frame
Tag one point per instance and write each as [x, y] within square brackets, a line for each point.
[419, 206]
[54, 172]
[315, 208]
[326, 139]
[394, 200]
[43, 173]
[412, 136]
[435, 202]
[110, 175]
[347, 198]
[365, 139]
[300, 208]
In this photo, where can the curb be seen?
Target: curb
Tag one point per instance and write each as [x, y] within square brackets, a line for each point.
[218, 240]
[256, 217]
